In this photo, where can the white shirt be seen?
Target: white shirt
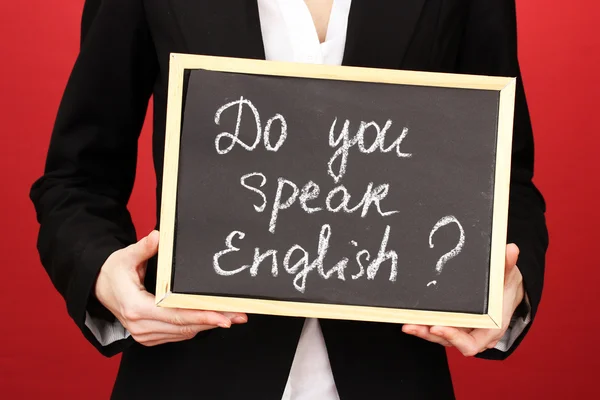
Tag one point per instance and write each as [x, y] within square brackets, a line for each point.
[289, 34]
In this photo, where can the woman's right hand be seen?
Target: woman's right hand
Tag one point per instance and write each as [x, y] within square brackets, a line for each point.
[120, 289]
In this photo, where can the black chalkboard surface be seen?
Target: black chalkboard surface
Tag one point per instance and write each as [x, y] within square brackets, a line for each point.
[335, 192]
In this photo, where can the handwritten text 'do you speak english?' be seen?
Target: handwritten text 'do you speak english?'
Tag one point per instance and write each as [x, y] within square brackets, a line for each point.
[297, 260]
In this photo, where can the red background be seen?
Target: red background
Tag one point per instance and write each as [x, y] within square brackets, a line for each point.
[43, 354]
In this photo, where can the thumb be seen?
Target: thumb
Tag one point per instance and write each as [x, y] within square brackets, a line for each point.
[144, 249]
[512, 255]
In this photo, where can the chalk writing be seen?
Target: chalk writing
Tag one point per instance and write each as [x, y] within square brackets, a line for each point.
[313, 198]
[345, 143]
[454, 252]
[288, 192]
[301, 267]
[234, 139]
[243, 179]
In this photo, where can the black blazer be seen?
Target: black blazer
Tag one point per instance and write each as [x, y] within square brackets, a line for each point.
[82, 196]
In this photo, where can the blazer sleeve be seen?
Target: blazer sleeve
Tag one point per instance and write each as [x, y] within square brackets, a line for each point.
[489, 47]
[81, 198]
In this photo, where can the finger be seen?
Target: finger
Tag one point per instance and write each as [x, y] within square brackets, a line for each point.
[187, 333]
[422, 332]
[513, 284]
[463, 341]
[142, 307]
[493, 344]
[156, 339]
[148, 328]
[144, 249]
[162, 341]
[487, 338]
[236, 318]
[410, 327]
[512, 255]
[183, 317]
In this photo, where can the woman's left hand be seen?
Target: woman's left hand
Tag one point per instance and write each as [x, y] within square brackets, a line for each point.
[473, 341]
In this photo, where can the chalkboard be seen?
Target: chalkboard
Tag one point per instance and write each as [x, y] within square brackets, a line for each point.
[335, 192]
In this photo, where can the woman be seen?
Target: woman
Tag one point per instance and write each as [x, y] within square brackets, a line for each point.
[88, 244]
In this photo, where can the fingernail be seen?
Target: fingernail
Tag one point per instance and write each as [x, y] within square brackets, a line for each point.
[225, 324]
[239, 320]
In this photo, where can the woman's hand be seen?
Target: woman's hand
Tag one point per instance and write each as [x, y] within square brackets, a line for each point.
[473, 341]
[120, 289]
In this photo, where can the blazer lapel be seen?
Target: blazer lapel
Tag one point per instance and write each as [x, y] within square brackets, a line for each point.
[220, 27]
[378, 35]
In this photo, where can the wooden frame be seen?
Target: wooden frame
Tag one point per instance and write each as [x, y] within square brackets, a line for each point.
[505, 86]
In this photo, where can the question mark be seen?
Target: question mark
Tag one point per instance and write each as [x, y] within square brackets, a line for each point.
[452, 253]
